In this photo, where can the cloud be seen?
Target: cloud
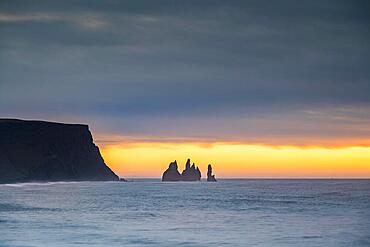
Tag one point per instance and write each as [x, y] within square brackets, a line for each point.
[27, 17]
[87, 21]
[219, 64]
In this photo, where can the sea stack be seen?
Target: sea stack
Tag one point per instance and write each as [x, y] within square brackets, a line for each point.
[46, 151]
[191, 173]
[210, 176]
[172, 174]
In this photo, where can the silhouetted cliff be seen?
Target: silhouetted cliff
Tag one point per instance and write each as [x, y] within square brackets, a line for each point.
[191, 173]
[46, 151]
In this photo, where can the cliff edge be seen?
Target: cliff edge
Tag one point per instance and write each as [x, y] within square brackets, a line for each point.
[47, 151]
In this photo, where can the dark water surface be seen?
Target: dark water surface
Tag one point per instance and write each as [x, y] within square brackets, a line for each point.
[150, 213]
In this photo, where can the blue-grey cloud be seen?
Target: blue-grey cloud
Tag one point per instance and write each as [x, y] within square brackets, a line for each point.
[151, 60]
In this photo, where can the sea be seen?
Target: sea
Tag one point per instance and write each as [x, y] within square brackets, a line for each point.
[148, 212]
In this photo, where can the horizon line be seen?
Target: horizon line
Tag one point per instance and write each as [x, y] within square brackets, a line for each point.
[269, 178]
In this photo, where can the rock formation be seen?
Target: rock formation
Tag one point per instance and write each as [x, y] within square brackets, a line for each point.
[46, 151]
[210, 176]
[172, 174]
[191, 173]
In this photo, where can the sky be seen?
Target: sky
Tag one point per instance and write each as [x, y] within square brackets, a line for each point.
[257, 88]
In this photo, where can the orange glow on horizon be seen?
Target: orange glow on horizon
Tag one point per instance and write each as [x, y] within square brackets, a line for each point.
[239, 160]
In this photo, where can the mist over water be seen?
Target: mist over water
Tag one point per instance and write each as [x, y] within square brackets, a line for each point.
[151, 213]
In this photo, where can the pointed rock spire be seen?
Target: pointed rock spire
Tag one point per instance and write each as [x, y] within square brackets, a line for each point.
[210, 176]
[190, 173]
[187, 165]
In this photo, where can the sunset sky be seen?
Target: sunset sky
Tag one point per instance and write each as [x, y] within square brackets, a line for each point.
[256, 88]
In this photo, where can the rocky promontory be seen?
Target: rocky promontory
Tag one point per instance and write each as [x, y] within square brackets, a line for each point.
[47, 151]
[191, 173]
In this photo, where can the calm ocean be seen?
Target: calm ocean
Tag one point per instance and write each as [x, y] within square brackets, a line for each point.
[328, 213]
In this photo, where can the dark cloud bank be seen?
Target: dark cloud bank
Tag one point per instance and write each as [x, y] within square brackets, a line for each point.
[208, 69]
